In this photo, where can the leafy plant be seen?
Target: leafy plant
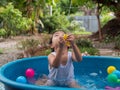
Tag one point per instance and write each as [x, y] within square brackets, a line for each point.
[1, 51]
[56, 21]
[106, 17]
[28, 43]
[90, 50]
[47, 52]
[13, 21]
[117, 42]
[76, 26]
[86, 45]
[3, 32]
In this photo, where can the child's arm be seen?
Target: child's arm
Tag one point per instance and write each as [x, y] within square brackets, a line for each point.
[76, 55]
[54, 61]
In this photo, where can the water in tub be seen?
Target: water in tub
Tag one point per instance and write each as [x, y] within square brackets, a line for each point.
[92, 81]
[1, 86]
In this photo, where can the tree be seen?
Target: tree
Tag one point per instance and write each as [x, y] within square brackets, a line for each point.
[113, 5]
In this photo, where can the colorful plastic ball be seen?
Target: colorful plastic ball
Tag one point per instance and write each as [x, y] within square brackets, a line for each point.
[110, 69]
[21, 79]
[112, 78]
[118, 81]
[30, 73]
[117, 72]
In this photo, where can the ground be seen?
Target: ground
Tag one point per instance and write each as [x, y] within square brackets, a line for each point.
[11, 52]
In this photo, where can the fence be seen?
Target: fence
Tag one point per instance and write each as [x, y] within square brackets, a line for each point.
[89, 22]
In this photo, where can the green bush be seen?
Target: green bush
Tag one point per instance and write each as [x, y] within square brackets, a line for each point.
[85, 45]
[47, 52]
[76, 26]
[13, 21]
[3, 32]
[1, 51]
[84, 42]
[28, 43]
[105, 18]
[117, 42]
[90, 50]
[56, 21]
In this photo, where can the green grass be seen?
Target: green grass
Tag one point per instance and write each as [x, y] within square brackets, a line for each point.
[1, 51]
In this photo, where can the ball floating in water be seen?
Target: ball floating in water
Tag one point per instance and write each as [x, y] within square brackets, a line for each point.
[110, 69]
[30, 73]
[112, 78]
[117, 72]
[21, 79]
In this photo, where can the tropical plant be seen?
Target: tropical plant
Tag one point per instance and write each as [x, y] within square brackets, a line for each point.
[28, 43]
[56, 21]
[3, 32]
[1, 51]
[117, 42]
[76, 26]
[85, 45]
[13, 21]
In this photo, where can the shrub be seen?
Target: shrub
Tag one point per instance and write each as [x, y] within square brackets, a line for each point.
[56, 21]
[3, 32]
[117, 42]
[85, 45]
[84, 42]
[13, 21]
[1, 51]
[28, 43]
[90, 50]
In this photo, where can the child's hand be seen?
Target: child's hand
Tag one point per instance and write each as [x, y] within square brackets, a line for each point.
[61, 42]
[71, 38]
[65, 38]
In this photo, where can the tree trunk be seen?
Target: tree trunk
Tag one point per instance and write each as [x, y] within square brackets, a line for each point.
[99, 24]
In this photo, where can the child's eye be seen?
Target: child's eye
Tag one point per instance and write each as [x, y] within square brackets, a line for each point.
[56, 35]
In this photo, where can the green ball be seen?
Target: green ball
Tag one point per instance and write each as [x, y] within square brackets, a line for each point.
[112, 78]
[118, 81]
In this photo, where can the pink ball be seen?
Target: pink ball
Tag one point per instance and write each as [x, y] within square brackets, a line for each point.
[30, 73]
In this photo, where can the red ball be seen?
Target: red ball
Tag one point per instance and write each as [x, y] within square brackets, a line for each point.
[30, 73]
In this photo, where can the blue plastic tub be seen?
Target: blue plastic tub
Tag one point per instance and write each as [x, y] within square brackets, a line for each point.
[90, 65]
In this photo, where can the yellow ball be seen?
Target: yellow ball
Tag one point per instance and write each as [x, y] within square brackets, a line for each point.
[110, 69]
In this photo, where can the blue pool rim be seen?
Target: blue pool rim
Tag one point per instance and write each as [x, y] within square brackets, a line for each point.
[4, 80]
[28, 86]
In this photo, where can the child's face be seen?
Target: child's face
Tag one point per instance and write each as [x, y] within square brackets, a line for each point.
[56, 37]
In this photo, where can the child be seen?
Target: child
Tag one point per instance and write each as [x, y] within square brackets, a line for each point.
[61, 70]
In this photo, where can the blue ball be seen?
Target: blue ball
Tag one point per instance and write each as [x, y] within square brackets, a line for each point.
[117, 72]
[21, 79]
